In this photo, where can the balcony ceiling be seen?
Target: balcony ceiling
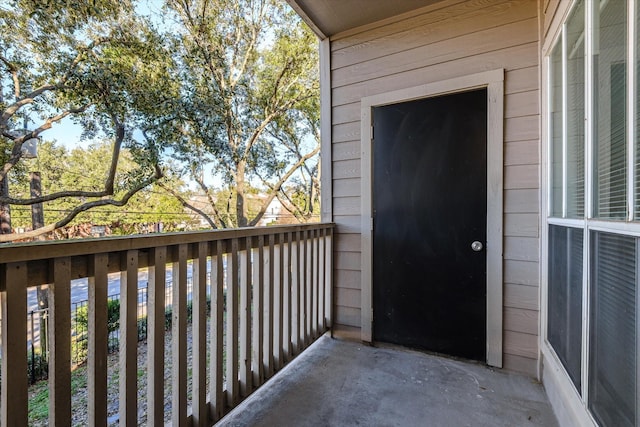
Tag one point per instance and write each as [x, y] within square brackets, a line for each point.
[329, 17]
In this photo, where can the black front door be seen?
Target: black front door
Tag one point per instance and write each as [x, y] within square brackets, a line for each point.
[429, 207]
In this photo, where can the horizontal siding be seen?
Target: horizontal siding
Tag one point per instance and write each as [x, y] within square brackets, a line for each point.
[520, 296]
[509, 35]
[347, 242]
[521, 320]
[347, 316]
[521, 225]
[346, 261]
[521, 248]
[525, 273]
[441, 43]
[521, 201]
[431, 26]
[346, 187]
[520, 344]
[512, 59]
[525, 365]
[522, 153]
[348, 279]
[347, 223]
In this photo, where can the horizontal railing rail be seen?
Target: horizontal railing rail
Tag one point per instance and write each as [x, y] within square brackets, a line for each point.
[259, 297]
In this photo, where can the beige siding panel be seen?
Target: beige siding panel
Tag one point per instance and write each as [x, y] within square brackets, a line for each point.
[382, 42]
[348, 316]
[346, 132]
[346, 150]
[520, 320]
[519, 296]
[348, 187]
[521, 177]
[511, 59]
[522, 80]
[346, 206]
[347, 223]
[521, 248]
[521, 201]
[347, 260]
[347, 297]
[347, 113]
[346, 169]
[347, 279]
[522, 153]
[521, 104]
[521, 225]
[525, 365]
[502, 37]
[420, 18]
[521, 128]
[347, 242]
[522, 273]
[519, 344]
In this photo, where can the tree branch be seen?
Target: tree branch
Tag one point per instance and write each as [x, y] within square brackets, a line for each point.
[275, 188]
[82, 208]
[188, 205]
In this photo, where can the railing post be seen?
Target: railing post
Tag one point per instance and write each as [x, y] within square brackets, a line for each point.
[279, 290]
[98, 337]
[14, 345]
[258, 317]
[268, 311]
[199, 322]
[179, 339]
[232, 325]
[60, 344]
[155, 335]
[287, 296]
[128, 399]
[245, 320]
[217, 321]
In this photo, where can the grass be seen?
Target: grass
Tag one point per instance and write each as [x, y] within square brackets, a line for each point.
[39, 396]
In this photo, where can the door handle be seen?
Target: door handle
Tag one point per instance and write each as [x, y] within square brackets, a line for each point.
[476, 246]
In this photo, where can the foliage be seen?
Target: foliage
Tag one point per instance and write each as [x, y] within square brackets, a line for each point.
[83, 168]
[248, 68]
[102, 66]
[229, 88]
[113, 316]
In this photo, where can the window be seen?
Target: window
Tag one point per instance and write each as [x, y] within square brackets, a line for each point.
[564, 325]
[593, 213]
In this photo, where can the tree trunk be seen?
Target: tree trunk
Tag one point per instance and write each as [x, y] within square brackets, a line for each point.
[5, 210]
[37, 212]
[241, 209]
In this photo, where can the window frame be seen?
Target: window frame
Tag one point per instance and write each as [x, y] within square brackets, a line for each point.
[578, 400]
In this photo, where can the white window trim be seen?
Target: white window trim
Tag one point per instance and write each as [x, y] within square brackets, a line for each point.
[494, 82]
[570, 407]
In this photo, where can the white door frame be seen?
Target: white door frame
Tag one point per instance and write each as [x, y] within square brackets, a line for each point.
[493, 81]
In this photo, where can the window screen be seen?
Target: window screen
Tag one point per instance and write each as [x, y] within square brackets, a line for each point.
[609, 92]
[575, 112]
[564, 325]
[612, 353]
[556, 131]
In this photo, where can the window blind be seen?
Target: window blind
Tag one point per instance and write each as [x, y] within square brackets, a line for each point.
[612, 353]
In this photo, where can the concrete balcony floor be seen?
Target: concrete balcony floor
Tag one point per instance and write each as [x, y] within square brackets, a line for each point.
[342, 383]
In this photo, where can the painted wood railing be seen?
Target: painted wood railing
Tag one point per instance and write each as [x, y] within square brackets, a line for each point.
[270, 297]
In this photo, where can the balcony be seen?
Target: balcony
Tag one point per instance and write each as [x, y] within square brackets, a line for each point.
[269, 296]
[259, 297]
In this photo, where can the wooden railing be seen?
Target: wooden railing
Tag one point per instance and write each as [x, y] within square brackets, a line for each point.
[270, 297]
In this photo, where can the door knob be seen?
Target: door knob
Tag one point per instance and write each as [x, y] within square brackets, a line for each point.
[476, 246]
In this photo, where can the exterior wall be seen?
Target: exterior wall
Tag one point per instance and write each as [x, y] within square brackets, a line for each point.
[450, 39]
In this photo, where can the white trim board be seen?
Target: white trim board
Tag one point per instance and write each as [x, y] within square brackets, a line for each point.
[494, 82]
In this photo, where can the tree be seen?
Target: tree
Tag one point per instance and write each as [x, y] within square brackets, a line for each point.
[84, 168]
[97, 63]
[248, 68]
